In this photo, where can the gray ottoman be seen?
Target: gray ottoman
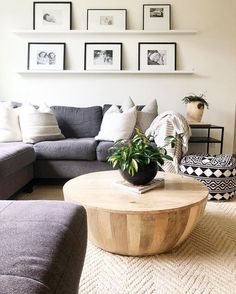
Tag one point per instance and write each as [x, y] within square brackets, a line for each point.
[217, 172]
[42, 247]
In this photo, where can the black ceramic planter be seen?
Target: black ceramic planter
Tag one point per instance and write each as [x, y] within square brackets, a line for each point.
[144, 175]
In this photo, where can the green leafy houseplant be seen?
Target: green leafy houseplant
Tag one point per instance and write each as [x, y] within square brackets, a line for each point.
[196, 98]
[134, 154]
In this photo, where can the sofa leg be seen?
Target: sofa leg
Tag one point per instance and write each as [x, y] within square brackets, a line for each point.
[28, 188]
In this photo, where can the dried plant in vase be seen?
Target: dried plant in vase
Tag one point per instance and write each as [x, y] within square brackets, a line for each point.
[195, 105]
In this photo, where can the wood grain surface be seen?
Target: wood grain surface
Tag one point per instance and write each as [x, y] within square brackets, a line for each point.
[132, 224]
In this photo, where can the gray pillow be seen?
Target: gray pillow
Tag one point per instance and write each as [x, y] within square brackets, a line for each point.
[78, 122]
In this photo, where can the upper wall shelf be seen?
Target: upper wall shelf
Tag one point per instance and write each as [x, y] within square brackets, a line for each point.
[132, 72]
[85, 32]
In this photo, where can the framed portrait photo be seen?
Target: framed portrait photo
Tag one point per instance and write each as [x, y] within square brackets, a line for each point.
[106, 19]
[103, 56]
[46, 56]
[157, 17]
[157, 57]
[52, 16]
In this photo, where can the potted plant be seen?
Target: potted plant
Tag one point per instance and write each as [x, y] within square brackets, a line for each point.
[195, 107]
[137, 158]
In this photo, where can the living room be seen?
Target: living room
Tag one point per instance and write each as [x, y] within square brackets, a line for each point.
[200, 39]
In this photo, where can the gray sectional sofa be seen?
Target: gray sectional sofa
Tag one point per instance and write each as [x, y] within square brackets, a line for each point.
[43, 243]
[77, 154]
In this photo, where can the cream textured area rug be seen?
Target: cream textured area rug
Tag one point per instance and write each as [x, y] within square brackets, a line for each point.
[205, 263]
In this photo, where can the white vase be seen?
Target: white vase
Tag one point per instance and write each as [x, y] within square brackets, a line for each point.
[194, 111]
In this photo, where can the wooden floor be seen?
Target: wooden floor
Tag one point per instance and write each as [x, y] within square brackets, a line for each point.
[42, 192]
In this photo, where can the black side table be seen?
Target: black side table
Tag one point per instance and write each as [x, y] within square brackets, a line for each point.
[208, 139]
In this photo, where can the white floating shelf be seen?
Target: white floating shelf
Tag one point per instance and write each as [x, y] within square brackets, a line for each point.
[87, 72]
[86, 32]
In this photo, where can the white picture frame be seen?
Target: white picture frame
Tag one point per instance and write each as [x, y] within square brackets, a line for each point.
[103, 56]
[157, 57]
[156, 17]
[52, 16]
[106, 19]
[46, 56]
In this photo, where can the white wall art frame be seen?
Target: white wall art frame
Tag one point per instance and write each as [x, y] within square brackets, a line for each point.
[157, 17]
[52, 16]
[46, 56]
[103, 56]
[106, 19]
[157, 57]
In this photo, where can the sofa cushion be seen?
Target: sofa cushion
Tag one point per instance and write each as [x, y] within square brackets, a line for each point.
[103, 150]
[9, 123]
[38, 124]
[76, 122]
[43, 246]
[127, 104]
[77, 149]
[117, 125]
[145, 113]
[146, 116]
[107, 106]
[15, 156]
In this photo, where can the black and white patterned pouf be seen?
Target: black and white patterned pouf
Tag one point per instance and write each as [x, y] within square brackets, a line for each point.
[217, 172]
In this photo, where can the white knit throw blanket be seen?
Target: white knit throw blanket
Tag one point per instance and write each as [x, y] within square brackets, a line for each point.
[170, 123]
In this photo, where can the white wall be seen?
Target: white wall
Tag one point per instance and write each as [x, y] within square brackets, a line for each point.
[211, 52]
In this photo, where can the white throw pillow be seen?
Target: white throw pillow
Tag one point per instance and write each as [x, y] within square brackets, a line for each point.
[147, 115]
[117, 125]
[38, 124]
[9, 123]
[127, 104]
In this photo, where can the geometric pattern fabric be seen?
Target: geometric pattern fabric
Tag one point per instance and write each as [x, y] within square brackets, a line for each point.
[217, 172]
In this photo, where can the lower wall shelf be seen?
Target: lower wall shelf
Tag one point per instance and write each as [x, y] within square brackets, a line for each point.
[132, 72]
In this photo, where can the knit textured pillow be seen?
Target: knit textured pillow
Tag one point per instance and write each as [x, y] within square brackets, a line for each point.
[147, 115]
[38, 124]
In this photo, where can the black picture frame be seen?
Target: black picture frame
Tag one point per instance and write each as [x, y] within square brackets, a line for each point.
[158, 5]
[107, 10]
[103, 46]
[53, 3]
[156, 46]
[32, 65]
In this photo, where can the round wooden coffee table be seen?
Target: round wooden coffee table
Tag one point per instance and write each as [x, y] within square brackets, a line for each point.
[138, 224]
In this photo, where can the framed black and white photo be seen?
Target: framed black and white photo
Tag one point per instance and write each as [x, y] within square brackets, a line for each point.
[106, 19]
[46, 56]
[157, 57]
[156, 17]
[103, 56]
[52, 16]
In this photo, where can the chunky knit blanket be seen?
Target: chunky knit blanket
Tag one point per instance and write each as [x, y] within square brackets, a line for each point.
[170, 123]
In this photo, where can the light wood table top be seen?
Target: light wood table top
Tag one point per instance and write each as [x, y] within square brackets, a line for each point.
[97, 190]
